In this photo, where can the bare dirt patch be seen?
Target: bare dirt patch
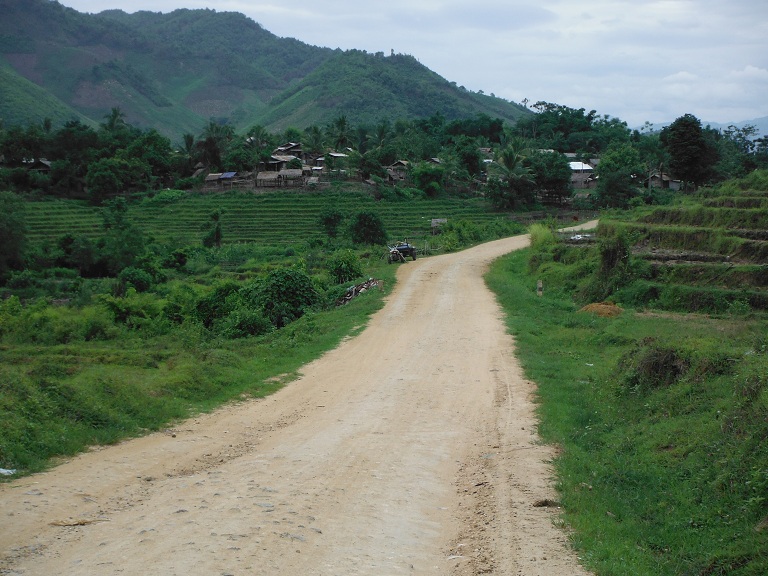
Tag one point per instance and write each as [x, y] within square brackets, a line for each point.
[410, 449]
[603, 309]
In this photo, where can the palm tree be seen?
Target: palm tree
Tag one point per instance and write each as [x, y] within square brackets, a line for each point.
[214, 141]
[314, 140]
[339, 132]
[258, 137]
[361, 138]
[381, 133]
[508, 164]
[513, 180]
[114, 120]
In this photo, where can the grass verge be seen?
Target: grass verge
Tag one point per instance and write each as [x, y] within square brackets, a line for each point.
[56, 400]
[661, 419]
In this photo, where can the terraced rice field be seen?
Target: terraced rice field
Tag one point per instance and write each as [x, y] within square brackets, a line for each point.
[272, 218]
[706, 255]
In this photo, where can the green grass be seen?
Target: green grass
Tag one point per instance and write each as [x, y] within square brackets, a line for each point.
[23, 102]
[271, 218]
[70, 378]
[661, 419]
[719, 217]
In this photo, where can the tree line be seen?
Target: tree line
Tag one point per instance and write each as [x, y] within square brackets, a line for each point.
[516, 162]
[510, 165]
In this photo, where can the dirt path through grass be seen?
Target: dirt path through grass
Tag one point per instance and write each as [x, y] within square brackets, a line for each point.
[410, 449]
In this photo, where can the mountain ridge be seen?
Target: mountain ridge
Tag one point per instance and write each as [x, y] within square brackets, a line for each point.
[177, 71]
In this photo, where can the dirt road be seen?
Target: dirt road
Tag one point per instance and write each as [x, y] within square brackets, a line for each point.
[410, 449]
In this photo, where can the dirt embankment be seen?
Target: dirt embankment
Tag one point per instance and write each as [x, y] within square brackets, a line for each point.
[410, 449]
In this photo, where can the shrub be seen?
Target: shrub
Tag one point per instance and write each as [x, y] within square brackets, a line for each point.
[243, 322]
[136, 278]
[134, 310]
[286, 295]
[330, 219]
[466, 233]
[542, 236]
[344, 266]
[10, 312]
[367, 228]
[449, 241]
[651, 365]
[215, 305]
[165, 197]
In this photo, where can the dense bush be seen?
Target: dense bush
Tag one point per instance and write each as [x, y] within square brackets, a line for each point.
[136, 278]
[219, 302]
[330, 220]
[40, 323]
[135, 310]
[344, 266]
[287, 294]
[367, 227]
[242, 322]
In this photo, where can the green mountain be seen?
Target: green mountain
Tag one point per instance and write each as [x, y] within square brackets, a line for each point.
[177, 71]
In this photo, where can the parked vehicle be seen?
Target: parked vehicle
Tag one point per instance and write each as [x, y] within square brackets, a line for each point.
[400, 251]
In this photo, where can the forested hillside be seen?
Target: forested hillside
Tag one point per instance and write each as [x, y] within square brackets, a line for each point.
[174, 72]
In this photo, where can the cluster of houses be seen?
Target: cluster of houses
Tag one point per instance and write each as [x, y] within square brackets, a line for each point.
[280, 171]
[583, 176]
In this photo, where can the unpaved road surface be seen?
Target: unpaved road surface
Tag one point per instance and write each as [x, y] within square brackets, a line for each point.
[409, 449]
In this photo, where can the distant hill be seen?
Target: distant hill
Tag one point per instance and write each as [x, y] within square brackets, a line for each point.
[760, 124]
[176, 71]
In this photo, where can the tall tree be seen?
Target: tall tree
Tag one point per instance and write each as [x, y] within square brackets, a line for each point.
[619, 174]
[214, 236]
[115, 120]
[691, 157]
[551, 173]
[213, 143]
[313, 142]
[340, 132]
[510, 182]
[154, 150]
[262, 142]
[381, 133]
[653, 155]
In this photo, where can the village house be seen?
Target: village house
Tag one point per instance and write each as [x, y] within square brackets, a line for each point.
[290, 149]
[663, 181]
[582, 175]
[331, 163]
[398, 172]
[40, 165]
[227, 180]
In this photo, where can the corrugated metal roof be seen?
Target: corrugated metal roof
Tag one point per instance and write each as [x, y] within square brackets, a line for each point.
[580, 166]
[227, 175]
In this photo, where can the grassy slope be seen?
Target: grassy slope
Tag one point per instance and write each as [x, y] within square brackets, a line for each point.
[668, 480]
[369, 88]
[23, 102]
[272, 218]
[661, 415]
[57, 399]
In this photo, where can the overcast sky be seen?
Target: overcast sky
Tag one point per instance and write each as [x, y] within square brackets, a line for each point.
[637, 60]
